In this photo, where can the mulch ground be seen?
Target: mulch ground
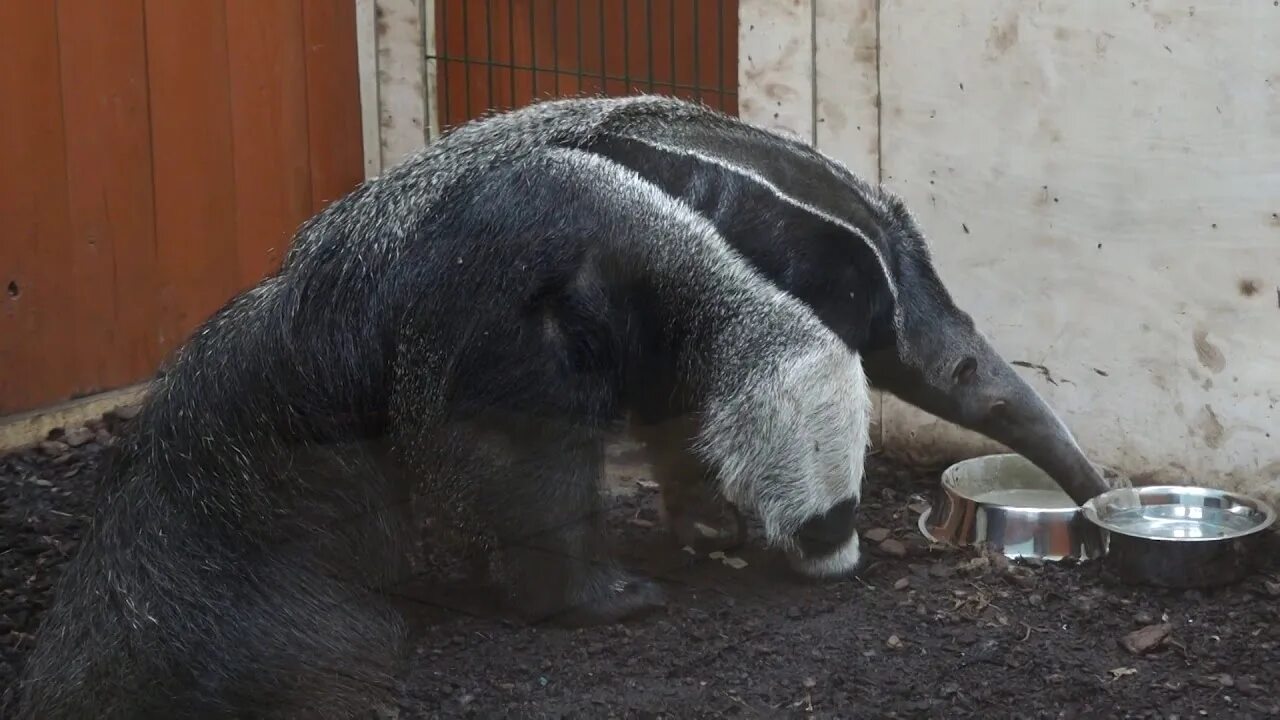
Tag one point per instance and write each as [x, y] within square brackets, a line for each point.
[924, 632]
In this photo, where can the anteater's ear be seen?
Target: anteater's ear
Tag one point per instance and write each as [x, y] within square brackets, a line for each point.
[882, 263]
[851, 274]
[800, 179]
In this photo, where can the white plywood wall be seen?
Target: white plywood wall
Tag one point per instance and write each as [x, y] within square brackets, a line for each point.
[397, 81]
[809, 68]
[1100, 182]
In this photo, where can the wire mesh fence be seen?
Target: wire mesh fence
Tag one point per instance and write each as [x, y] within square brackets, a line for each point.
[503, 54]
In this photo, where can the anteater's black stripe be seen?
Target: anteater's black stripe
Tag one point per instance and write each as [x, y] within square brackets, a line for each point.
[798, 171]
[821, 260]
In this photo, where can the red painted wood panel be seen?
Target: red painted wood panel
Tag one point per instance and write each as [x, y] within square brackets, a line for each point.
[544, 44]
[268, 82]
[195, 194]
[333, 99]
[150, 172]
[454, 73]
[37, 324]
[479, 79]
[594, 34]
[499, 37]
[155, 158]
[112, 261]
[617, 48]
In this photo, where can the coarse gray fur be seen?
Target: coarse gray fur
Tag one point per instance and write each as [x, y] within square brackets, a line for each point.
[850, 250]
[467, 328]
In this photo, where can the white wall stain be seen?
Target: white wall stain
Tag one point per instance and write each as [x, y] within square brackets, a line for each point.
[1099, 186]
[1115, 166]
[847, 100]
[775, 65]
[401, 65]
[847, 84]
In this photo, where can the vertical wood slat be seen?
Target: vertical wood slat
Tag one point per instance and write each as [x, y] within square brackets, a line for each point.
[108, 140]
[727, 63]
[268, 81]
[37, 332]
[333, 100]
[195, 193]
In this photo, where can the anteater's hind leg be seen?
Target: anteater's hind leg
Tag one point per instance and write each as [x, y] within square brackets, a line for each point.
[149, 627]
[506, 439]
[527, 494]
[311, 628]
[309, 646]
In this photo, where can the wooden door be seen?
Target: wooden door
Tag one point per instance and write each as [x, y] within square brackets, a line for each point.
[155, 158]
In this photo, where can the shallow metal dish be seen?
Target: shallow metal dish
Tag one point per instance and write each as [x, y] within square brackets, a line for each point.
[1180, 536]
[1009, 504]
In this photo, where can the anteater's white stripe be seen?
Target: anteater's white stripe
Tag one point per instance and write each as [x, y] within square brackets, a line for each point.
[778, 193]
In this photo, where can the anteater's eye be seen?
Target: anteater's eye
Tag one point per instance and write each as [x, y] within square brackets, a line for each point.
[965, 370]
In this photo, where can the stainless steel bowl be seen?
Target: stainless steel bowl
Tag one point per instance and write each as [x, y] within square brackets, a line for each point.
[1009, 504]
[1180, 537]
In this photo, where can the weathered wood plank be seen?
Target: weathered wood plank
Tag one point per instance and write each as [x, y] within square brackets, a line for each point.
[191, 129]
[38, 339]
[1100, 220]
[333, 99]
[271, 151]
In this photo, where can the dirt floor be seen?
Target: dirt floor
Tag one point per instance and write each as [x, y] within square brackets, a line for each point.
[922, 633]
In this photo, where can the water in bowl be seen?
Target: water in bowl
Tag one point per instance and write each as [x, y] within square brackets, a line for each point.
[1027, 498]
[1179, 522]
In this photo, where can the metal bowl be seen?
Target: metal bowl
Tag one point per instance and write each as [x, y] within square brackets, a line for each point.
[1014, 507]
[1180, 536]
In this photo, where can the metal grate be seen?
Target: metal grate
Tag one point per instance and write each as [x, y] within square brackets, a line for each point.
[502, 54]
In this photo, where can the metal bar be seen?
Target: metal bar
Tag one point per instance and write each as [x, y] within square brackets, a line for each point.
[466, 54]
[533, 55]
[672, 4]
[648, 29]
[697, 47]
[626, 44]
[611, 78]
[511, 46]
[578, 18]
[720, 51]
[488, 45]
[604, 70]
[555, 43]
[442, 62]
